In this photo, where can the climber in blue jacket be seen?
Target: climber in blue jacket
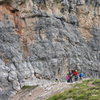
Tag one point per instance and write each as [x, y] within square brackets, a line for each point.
[81, 75]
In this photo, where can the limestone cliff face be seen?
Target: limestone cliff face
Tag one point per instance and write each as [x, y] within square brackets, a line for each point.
[45, 38]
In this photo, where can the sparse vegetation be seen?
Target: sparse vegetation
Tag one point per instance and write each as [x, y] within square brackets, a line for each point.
[29, 87]
[87, 90]
[57, 1]
[97, 82]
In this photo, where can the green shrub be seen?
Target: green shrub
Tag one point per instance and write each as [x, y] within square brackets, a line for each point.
[29, 87]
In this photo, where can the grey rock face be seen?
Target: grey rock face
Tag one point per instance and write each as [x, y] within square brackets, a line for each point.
[96, 38]
[42, 39]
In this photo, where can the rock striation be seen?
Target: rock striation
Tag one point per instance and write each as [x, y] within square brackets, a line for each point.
[42, 39]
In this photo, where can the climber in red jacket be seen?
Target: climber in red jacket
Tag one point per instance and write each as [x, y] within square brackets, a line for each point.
[75, 74]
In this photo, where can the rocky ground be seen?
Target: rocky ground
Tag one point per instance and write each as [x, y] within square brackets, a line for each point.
[42, 92]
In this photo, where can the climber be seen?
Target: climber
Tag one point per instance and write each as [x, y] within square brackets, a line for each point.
[67, 78]
[75, 74]
[70, 76]
[81, 75]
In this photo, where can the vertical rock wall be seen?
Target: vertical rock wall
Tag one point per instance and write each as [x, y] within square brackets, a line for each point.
[44, 38]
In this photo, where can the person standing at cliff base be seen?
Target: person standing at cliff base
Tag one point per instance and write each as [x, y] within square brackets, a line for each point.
[70, 76]
[75, 73]
[67, 78]
[81, 75]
